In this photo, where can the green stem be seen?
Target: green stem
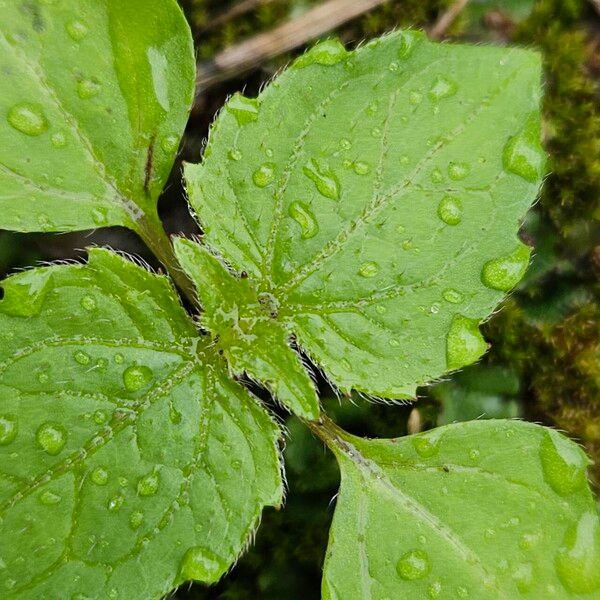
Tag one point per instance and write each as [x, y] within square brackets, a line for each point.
[152, 233]
[333, 435]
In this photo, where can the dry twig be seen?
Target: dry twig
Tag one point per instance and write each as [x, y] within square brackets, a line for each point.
[440, 28]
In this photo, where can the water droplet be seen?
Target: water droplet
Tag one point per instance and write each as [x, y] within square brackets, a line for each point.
[394, 343]
[474, 454]
[505, 272]
[464, 342]
[264, 175]
[43, 378]
[174, 415]
[115, 503]
[578, 559]
[136, 377]
[453, 296]
[406, 245]
[136, 519]
[100, 417]
[28, 119]
[234, 154]
[345, 144]
[434, 590]
[100, 216]
[99, 476]
[245, 110]
[119, 358]
[489, 533]
[9, 427]
[76, 30]
[442, 88]
[170, 143]
[88, 88]
[361, 168]
[81, 358]
[305, 218]
[415, 98]
[148, 485]
[407, 40]
[325, 180]
[59, 140]
[393, 67]
[523, 154]
[376, 132]
[427, 444]
[48, 498]
[88, 303]
[327, 53]
[450, 210]
[373, 108]
[563, 463]
[380, 309]
[368, 269]
[462, 592]
[458, 170]
[51, 437]
[436, 176]
[413, 565]
[200, 564]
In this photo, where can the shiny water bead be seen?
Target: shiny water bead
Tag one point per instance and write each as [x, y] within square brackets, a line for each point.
[51, 437]
[200, 564]
[464, 342]
[442, 87]
[450, 210]
[99, 476]
[8, 429]
[453, 296]
[458, 170]
[504, 272]
[136, 377]
[148, 485]
[302, 214]
[564, 464]
[427, 444]
[28, 118]
[88, 88]
[368, 269]
[328, 52]
[245, 110]
[413, 565]
[325, 180]
[77, 30]
[523, 154]
[264, 175]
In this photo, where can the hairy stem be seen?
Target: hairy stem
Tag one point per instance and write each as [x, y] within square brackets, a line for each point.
[331, 434]
[154, 236]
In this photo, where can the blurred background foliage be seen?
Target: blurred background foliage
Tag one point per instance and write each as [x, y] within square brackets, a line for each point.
[544, 361]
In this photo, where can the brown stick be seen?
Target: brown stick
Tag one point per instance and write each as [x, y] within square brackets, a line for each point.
[237, 10]
[289, 35]
[596, 4]
[442, 24]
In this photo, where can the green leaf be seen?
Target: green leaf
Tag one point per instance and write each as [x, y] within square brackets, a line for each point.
[245, 323]
[485, 509]
[129, 461]
[95, 97]
[376, 196]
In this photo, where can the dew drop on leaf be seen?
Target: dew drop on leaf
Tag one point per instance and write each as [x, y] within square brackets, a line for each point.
[442, 87]
[88, 88]
[434, 590]
[200, 564]
[361, 168]
[8, 429]
[505, 272]
[76, 30]
[305, 218]
[406, 43]
[136, 377]
[427, 444]
[99, 216]
[245, 110]
[148, 485]
[28, 118]
[234, 154]
[523, 577]
[264, 175]
[325, 180]
[48, 498]
[81, 358]
[136, 519]
[51, 437]
[453, 296]
[345, 144]
[100, 417]
[436, 176]
[88, 303]
[169, 143]
[119, 358]
[578, 559]
[458, 170]
[58, 139]
[368, 269]
[450, 210]
[464, 342]
[115, 503]
[413, 565]
[523, 154]
[99, 476]
[327, 53]
[563, 463]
